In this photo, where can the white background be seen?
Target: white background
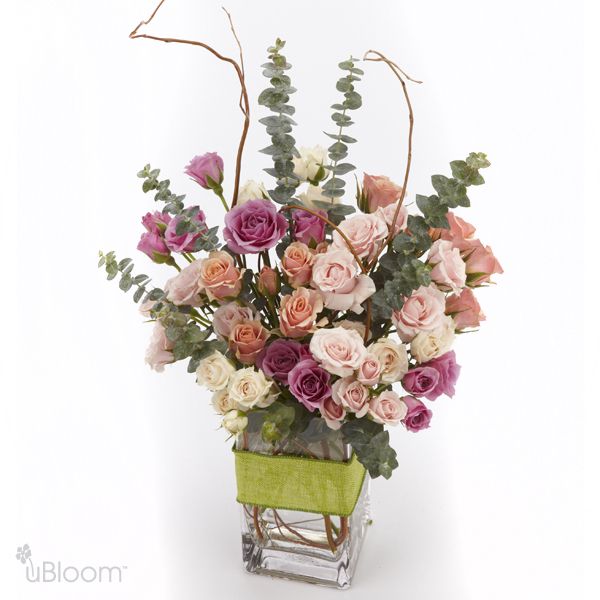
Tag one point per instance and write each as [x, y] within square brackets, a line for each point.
[109, 463]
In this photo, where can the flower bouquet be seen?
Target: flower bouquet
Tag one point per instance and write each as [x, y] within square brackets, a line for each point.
[314, 324]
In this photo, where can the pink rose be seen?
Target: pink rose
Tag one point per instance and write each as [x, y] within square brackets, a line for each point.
[449, 270]
[219, 276]
[423, 310]
[352, 395]
[159, 352]
[156, 222]
[296, 263]
[185, 288]
[464, 309]
[341, 351]
[332, 412]
[247, 339]
[369, 371]
[298, 312]
[459, 233]
[307, 227]
[380, 191]
[229, 315]
[418, 416]
[388, 213]
[185, 242]
[153, 245]
[387, 408]
[481, 263]
[336, 274]
[366, 233]
[207, 170]
[268, 281]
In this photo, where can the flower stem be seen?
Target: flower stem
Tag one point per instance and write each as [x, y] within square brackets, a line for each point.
[223, 201]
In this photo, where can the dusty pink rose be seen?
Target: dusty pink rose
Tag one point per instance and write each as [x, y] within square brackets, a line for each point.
[185, 288]
[341, 351]
[229, 315]
[153, 245]
[268, 281]
[449, 270]
[158, 353]
[309, 383]
[156, 222]
[388, 213]
[387, 408]
[280, 357]
[459, 233]
[423, 310]
[185, 242]
[332, 412]
[422, 381]
[366, 233]
[481, 263]
[448, 372]
[207, 170]
[380, 190]
[418, 416]
[219, 277]
[298, 312]
[369, 371]
[247, 340]
[307, 227]
[296, 263]
[352, 395]
[464, 309]
[336, 274]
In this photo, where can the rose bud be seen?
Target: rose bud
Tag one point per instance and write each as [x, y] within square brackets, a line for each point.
[206, 170]
[379, 191]
[268, 281]
[153, 245]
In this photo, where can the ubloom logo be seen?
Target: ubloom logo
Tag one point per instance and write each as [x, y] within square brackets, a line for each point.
[51, 571]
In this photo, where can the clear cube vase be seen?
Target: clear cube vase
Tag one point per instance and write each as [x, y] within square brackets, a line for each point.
[304, 545]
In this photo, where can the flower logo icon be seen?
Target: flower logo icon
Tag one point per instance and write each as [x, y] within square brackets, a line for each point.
[23, 553]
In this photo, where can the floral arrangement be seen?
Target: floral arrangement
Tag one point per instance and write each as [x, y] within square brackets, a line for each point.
[306, 306]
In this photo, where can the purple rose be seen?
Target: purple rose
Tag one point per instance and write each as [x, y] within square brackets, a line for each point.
[422, 381]
[156, 222]
[154, 246]
[418, 415]
[309, 383]
[280, 357]
[308, 228]
[207, 170]
[184, 242]
[254, 226]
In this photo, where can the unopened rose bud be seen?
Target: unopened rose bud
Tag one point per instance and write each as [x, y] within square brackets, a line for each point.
[153, 245]
[206, 170]
[268, 281]
[235, 421]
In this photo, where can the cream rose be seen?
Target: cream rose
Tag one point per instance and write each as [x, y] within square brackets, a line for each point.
[214, 371]
[430, 344]
[221, 402]
[352, 395]
[251, 389]
[392, 357]
[314, 194]
[309, 165]
[449, 270]
[387, 408]
[235, 421]
[366, 233]
[340, 351]
[252, 190]
[423, 310]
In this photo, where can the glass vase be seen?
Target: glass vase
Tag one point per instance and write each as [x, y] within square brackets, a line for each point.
[304, 546]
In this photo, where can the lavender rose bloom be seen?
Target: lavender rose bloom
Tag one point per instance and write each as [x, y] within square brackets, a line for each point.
[422, 381]
[309, 383]
[156, 222]
[418, 415]
[448, 372]
[254, 226]
[153, 245]
[308, 228]
[207, 170]
[280, 357]
[184, 242]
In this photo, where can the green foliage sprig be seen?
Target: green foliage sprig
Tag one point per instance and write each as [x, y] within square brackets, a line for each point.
[279, 126]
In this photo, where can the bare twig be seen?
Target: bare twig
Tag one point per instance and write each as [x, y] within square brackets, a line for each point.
[239, 69]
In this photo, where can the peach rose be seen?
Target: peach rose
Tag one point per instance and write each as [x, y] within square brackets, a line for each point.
[387, 408]
[459, 233]
[366, 233]
[449, 270]
[423, 310]
[380, 191]
[185, 287]
[298, 312]
[219, 276]
[337, 276]
[268, 281]
[227, 316]
[388, 213]
[296, 263]
[352, 395]
[481, 263]
[332, 412]
[369, 371]
[464, 309]
[247, 339]
[340, 351]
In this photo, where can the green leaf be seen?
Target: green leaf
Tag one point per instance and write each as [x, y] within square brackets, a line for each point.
[434, 211]
[451, 192]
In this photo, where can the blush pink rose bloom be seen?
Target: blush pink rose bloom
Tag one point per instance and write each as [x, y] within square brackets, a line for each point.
[380, 190]
[366, 233]
[247, 340]
[369, 371]
[481, 263]
[341, 351]
[185, 288]
[387, 408]
[219, 277]
[423, 310]
[158, 353]
[332, 412]
[296, 263]
[388, 213]
[459, 233]
[464, 309]
[229, 315]
[449, 269]
[203, 169]
[336, 274]
[352, 395]
[298, 312]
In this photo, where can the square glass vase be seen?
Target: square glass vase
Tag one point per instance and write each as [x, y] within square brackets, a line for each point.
[304, 546]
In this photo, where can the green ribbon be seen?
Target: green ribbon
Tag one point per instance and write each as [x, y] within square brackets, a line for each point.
[326, 487]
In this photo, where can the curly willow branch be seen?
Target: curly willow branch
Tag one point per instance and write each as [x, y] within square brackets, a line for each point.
[244, 103]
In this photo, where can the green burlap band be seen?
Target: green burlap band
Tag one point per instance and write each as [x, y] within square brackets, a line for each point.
[327, 487]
